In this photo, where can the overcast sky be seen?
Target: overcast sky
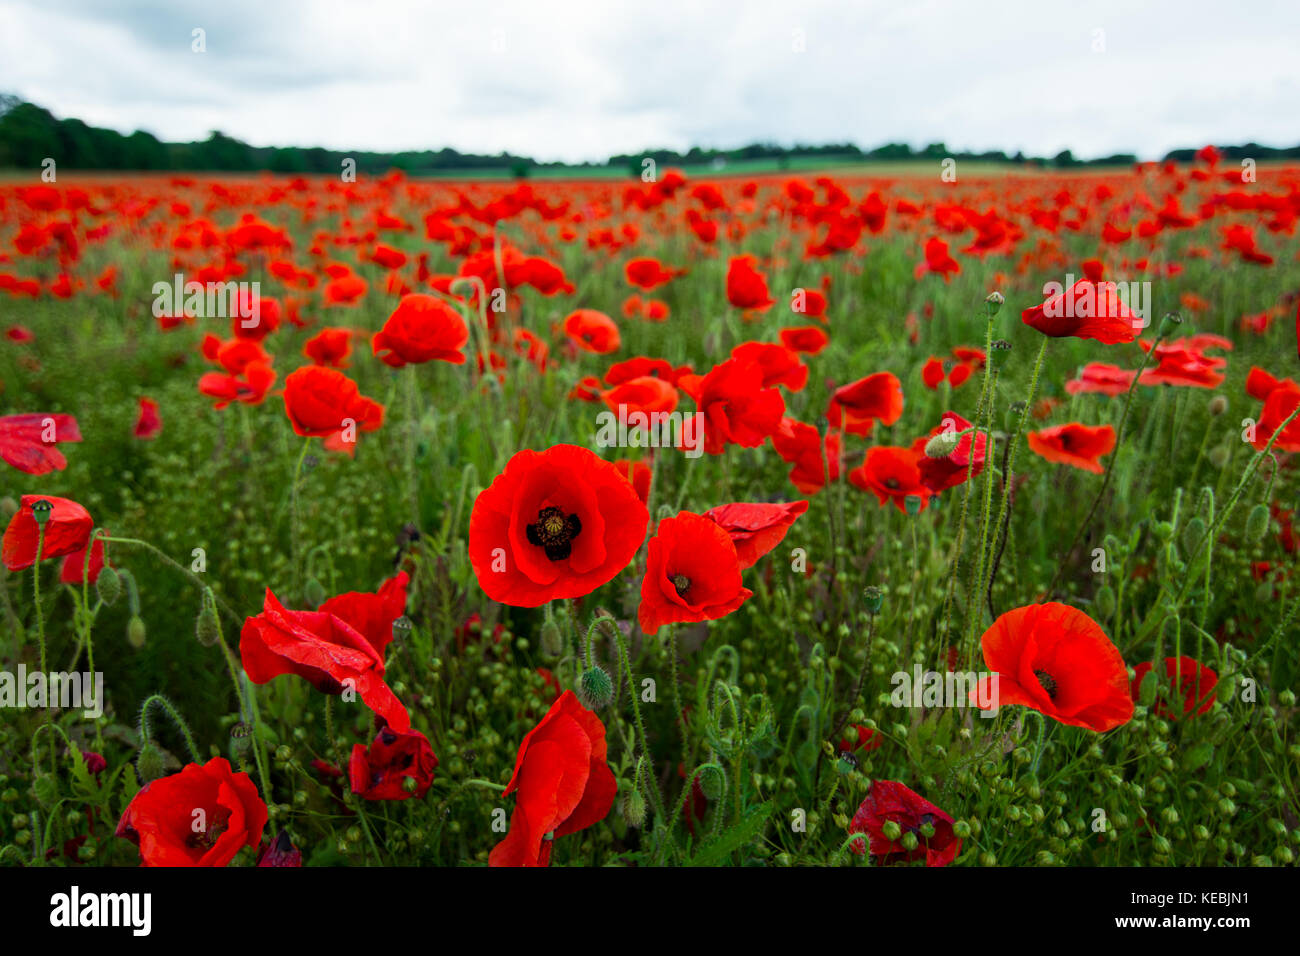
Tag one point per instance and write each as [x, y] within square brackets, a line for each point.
[580, 79]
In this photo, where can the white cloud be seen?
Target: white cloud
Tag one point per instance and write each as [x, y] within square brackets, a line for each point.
[572, 79]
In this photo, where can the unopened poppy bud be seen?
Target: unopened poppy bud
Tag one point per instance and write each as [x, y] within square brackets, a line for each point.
[595, 688]
[1164, 530]
[1104, 602]
[712, 781]
[1148, 689]
[1193, 533]
[41, 511]
[993, 301]
[943, 444]
[910, 841]
[634, 808]
[1217, 456]
[314, 593]
[46, 788]
[1218, 405]
[891, 829]
[135, 632]
[410, 784]
[1169, 324]
[149, 764]
[872, 599]
[206, 628]
[108, 585]
[1257, 523]
[552, 640]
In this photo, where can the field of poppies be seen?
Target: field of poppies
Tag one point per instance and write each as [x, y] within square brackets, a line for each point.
[862, 519]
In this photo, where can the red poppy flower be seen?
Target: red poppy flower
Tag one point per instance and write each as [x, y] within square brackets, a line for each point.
[813, 457]
[322, 402]
[647, 273]
[330, 347]
[892, 474]
[780, 365]
[950, 470]
[1278, 406]
[856, 407]
[328, 652]
[648, 395]
[737, 408]
[937, 260]
[28, 441]
[746, 286]
[890, 802]
[554, 524]
[67, 531]
[202, 816]
[808, 339]
[1074, 444]
[1056, 660]
[562, 783]
[422, 328]
[932, 372]
[692, 573]
[592, 331]
[74, 565]
[1101, 378]
[249, 386]
[380, 772]
[372, 615]
[756, 528]
[148, 423]
[1086, 310]
[1196, 684]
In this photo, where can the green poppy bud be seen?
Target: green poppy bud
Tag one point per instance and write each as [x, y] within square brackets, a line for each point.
[108, 585]
[595, 688]
[1257, 523]
[206, 628]
[135, 632]
[149, 763]
[634, 808]
[1104, 602]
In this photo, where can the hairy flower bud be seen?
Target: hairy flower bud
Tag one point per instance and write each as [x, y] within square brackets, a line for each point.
[595, 688]
[108, 585]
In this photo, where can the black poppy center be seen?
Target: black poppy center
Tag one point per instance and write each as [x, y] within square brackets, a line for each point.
[893, 484]
[1048, 683]
[682, 583]
[207, 838]
[554, 532]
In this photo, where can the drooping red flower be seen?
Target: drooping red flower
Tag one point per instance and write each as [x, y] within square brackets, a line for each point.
[736, 406]
[1074, 444]
[148, 423]
[28, 441]
[889, 801]
[562, 784]
[756, 527]
[67, 531]
[423, 328]
[330, 347]
[780, 365]
[692, 573]
[554, 524]
[202, 816]
[892, 474]
[1280, 403]
[380, 771]
[1086, 310]
[1057, 660]
[323, 402]
[328, 652]
[746, 286]
[280, 852]
[1194, 681]
[592, 331]
[856, 407]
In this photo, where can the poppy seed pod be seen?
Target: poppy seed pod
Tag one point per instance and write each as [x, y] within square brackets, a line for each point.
[872, 599]
[41, 512]
[1218, 405]
[595, 688]
[993, 301]
[1169, 324]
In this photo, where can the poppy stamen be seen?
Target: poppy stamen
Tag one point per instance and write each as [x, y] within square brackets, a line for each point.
[682, 584]
[1047, 682]
[554, 532]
